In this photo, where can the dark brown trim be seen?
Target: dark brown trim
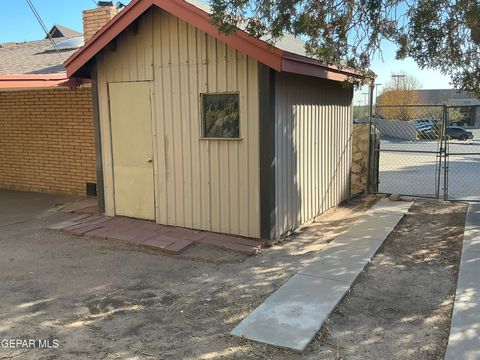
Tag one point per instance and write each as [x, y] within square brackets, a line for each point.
[267, 151]
[98, 141]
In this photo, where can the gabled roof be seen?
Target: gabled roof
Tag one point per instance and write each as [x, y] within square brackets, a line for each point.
[61, 31]
[287, 55]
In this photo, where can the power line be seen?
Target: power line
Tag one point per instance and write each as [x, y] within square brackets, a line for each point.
[42, 24]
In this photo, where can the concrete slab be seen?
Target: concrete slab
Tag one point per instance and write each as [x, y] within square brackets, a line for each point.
[292, 315]
[464, 339]
[471, 236]
[18, 206]
[342, 262]
[347, 255]
[386, 204]
[468, 285]
[80, 205]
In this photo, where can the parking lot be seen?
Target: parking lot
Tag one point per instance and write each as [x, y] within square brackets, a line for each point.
[412, 168]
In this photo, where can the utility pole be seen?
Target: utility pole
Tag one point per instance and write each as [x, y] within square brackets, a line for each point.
[366, 102]
[397, 78]
[402, 111]
[376, 92]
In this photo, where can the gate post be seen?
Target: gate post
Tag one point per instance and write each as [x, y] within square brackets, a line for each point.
[445, 152]
[371, 185]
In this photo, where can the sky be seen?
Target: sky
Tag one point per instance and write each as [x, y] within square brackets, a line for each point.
[17, 23]
[429, 79]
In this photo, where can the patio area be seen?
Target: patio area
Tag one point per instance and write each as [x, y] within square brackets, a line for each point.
[169, 239]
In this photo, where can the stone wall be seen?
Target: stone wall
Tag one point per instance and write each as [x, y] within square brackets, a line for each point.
[359, 158]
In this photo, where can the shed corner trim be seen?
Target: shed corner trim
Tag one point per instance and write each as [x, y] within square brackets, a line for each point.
[267, 152]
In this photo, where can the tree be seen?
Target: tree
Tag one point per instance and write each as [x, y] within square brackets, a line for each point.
[396, 94]
[359, 112]
[437, 34]
[458, 115]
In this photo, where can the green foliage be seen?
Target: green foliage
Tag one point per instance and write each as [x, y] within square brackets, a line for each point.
[437, 34]
[359, 112]
[458, 115]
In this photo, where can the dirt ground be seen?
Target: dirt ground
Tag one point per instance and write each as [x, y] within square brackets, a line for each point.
[107, 300]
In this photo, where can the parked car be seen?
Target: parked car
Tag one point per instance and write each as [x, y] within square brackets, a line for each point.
[456, 132]
[360, 120]
[427, 129]
[423, 125]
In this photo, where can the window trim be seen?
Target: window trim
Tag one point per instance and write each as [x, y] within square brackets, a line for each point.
[202, 117]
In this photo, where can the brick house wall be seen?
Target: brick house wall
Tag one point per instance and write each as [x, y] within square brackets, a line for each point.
[47, 140]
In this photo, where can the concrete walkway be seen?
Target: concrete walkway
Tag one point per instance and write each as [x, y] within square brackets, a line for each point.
[292, 315]
[464, 340]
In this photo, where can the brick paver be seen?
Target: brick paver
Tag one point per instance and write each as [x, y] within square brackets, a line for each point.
[169, 239]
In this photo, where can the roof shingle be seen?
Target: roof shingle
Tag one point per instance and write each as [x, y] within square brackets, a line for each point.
[30, 58]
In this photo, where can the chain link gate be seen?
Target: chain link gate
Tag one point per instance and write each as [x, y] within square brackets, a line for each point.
[417, 150]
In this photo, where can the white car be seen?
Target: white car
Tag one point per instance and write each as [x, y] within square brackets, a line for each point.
[424, 125]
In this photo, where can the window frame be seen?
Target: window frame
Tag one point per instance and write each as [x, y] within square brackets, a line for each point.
[202, 117]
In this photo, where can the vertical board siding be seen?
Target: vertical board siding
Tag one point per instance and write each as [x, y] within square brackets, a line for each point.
[132, 60]
[201, 184]
[313, 148]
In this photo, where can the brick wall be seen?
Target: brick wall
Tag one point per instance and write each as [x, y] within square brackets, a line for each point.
[94, 19]
[46, 140]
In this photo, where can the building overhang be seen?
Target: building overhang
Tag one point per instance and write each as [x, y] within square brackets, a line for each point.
[271, 56]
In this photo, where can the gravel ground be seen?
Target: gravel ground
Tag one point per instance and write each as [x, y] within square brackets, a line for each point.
[107, 300]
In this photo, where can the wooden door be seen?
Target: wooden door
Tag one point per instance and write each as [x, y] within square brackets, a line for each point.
[132, 149]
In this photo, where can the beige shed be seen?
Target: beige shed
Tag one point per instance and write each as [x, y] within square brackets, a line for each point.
[222, 133]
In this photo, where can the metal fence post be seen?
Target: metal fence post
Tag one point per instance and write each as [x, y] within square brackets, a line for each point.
[445, 152]
[371, 149]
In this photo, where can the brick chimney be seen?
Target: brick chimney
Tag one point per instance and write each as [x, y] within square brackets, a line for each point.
[94, 19]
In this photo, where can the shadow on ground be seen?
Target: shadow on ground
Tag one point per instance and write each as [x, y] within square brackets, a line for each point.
[109, 300]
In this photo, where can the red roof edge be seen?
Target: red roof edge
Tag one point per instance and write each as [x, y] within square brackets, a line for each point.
[271, 56]
[31, 81]
[311, 67]
[106, 34]
[185, 11]
[240, 40]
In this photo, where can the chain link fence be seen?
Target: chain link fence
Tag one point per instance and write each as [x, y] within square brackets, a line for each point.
[427, 151]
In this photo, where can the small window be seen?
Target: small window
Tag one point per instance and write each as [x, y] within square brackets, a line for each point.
[221, 116]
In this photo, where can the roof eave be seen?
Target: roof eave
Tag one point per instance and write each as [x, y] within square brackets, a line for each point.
[185, 11]
[266, 54]
[311, 67]
[36, 81]
[92, 47]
